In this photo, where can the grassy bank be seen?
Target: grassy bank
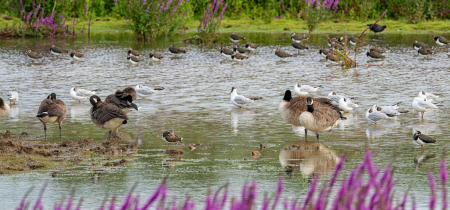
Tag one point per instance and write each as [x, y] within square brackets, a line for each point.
[231, 25]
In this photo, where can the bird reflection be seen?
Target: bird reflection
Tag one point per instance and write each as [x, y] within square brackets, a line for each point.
[374, 131]
[79, 112]
[350, 121]
[311, 158]
[14, 113]
[240, 116]
[423, 158]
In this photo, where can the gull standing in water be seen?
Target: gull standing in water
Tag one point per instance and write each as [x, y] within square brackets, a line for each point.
[305, 89]
[81, 94]
[144, 91]
[375, 115]
[427, 95]
[13, 96]
[238, 100]
[422, 105]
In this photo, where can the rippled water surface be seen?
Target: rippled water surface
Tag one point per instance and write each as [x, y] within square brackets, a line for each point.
[195, 103]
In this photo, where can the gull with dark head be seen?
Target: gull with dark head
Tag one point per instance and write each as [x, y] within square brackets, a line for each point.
[305, 89]
[81, 94]
[238, 100]
[422, 105]
[144, 91]
[13, 96]
[375, 115]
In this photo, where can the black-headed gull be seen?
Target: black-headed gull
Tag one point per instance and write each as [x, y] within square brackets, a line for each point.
[81, 94]
[238, 100]
[144, 91]
[305, 89]
[375, 115]
[13, 96]
[422, 105]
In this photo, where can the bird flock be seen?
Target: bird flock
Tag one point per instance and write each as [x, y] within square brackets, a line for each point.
[315, 114]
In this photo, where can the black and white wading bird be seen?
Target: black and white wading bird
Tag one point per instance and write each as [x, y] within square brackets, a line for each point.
[176, 50]
[170, 137]
[422, 139]
[155, 56]
[52, 110]
[236, 38]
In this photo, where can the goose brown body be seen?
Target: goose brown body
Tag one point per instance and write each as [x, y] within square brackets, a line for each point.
[122, 100]
[106, 116]
[52, 110]
[4, 109]
[291, 108]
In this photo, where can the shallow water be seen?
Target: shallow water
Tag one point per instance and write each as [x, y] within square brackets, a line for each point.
[195, 103]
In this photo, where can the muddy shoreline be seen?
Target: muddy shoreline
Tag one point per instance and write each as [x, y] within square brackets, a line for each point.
[23, 153]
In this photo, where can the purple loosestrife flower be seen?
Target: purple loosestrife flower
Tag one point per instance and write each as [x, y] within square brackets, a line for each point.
[85, 9]
[444, 178]
[21, 3]
[82, 31]
[11, 8]
[162, 6]
[145, 1]
[432, 184]
[73, 22]
[115, 3]
[148, 7]
[36, 26]
[167, 5]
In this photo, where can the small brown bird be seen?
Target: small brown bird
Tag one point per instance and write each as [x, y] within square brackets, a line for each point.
[226, 52]
[236, 38]
[135, 52]
[282, 54]
[378, 50]
[52, 110]
[57, 51]
[353, 40]
[33, 55]
[324, 51]
[425, 52]
[422, 139]
[299, 46]
[375, 55]
[133, 59]
[170, 137]
[106, 116]
[251, 46]
[176, 50]
[155, 56]
[238, 57]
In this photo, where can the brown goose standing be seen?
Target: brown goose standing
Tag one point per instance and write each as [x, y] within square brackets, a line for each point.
[52, 110]
[4, 109]
[106, 116]
[122, 100]
[236, 38]
[319, 119]
[176, 50]
[282, 54]
[170, 137]
[422, 139]
[291, 108]
[135, 52]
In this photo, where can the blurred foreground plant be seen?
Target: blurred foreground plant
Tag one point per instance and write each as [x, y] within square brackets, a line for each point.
[366, 187]
[153, 18]
[210, 23]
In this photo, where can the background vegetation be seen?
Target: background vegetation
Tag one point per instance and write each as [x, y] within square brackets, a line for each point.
[160, 17]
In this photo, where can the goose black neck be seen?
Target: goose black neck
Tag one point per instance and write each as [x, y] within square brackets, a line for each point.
[310, 108]
[287, 96]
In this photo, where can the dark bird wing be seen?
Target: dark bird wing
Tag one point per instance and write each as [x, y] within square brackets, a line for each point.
[236, 37]
[427, 139]
[106, 112]
[52, 108]
[282, 54]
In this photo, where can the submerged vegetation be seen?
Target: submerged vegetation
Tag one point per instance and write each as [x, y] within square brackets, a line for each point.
[150, 19]
[365, 187]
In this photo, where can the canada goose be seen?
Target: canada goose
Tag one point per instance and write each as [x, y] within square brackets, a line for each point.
[417, 45]
[4, 109]
[133, 59]
[226, 52]
[176, 50]
[251, 46]
[13, 96]
[57, 51]
[106, 115]
[52, 110]
[33, 55]
[76, 56]
[298, 38]
[305, 89]
[144, 91]
[422, 105]
[376, 28]
[440, 40]
[319, 119]
[236, 38]
[131, 91]
[170, 137]
[122, 100]
[238, 57]
[422, 139]
[156, 56]
[81, 94]
[238, 100]
[291, 108]
[135, 52]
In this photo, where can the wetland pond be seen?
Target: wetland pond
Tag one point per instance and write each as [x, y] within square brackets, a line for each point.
[196, 105]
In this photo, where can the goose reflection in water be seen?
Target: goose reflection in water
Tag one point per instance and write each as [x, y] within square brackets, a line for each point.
[79, 112]
[310, 158]
[374, 131]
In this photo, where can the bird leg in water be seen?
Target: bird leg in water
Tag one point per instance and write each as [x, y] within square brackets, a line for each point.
[318, 138]
[421, 149]
[59, 132]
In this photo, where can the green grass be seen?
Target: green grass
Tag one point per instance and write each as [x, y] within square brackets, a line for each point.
[246, 24]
